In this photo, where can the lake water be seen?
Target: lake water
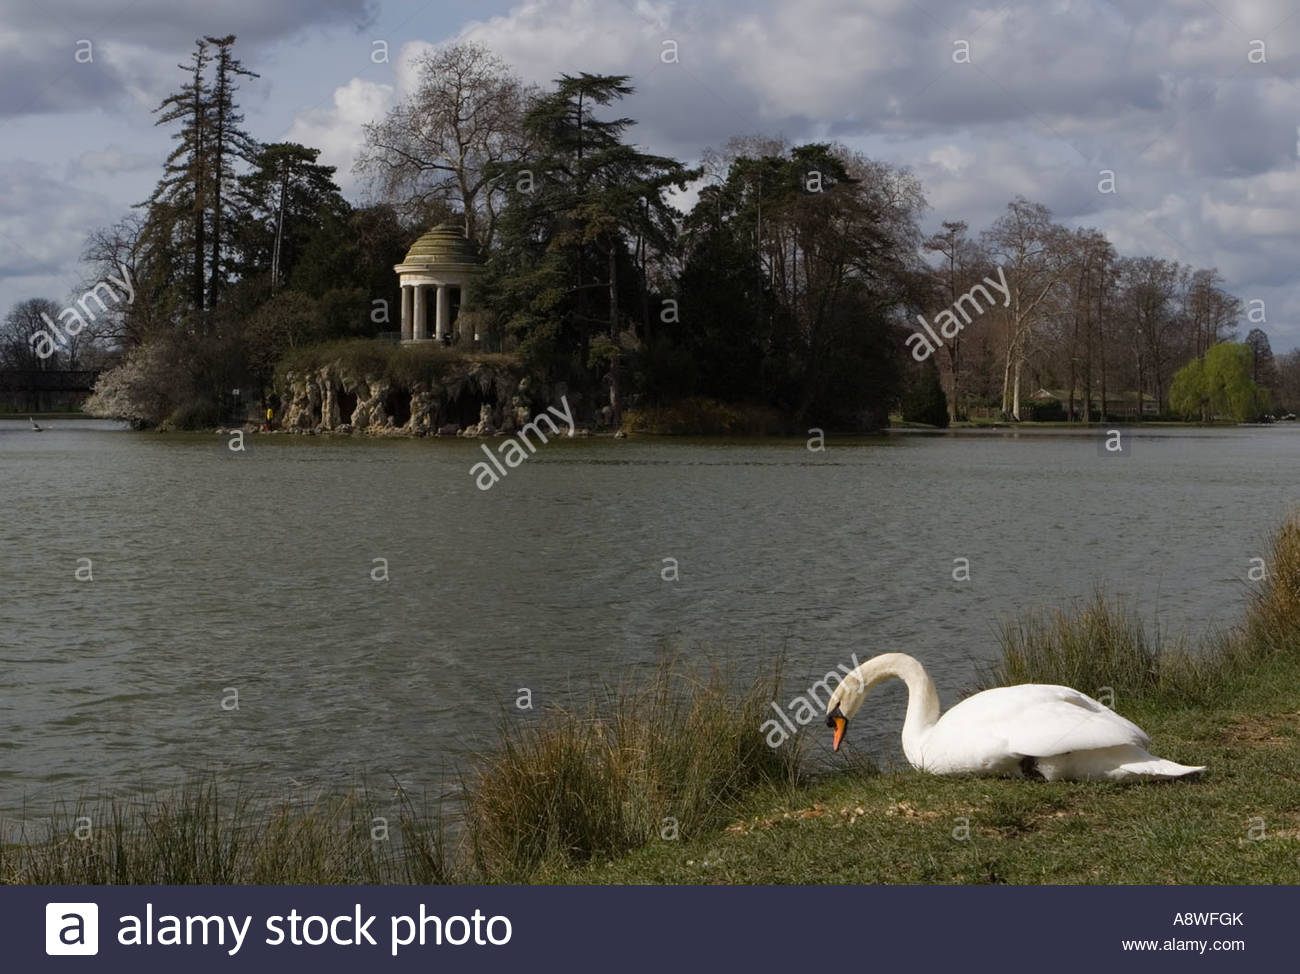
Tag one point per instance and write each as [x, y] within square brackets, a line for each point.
[215, 570]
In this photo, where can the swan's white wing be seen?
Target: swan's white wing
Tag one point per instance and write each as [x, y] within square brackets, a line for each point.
[1031, 720]
[1072, 723]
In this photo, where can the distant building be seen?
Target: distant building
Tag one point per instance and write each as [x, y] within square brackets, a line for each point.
[1118, 404]
[439, 269]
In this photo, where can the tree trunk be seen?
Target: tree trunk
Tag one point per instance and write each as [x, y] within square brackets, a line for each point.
[1015, 395]
[615, 402]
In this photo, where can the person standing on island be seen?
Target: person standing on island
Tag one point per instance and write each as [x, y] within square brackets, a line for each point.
[270, 413]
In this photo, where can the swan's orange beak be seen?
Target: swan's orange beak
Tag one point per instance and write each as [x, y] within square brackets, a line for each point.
[839, 723]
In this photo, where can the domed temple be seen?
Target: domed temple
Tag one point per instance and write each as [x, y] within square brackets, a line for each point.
[439, 269]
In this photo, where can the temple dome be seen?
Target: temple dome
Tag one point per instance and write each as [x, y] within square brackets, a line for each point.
[444, 244]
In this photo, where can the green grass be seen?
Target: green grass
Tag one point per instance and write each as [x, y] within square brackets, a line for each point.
[207, 833]
[1234, 706]
[672, 782]
[902, 826]
[669, 757]
[405, 365]
[700, 416]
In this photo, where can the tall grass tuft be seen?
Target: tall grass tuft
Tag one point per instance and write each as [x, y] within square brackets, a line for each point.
[663, 760]
[1097, 644]
[201, 834]
[1273, 621]
[1103, 644]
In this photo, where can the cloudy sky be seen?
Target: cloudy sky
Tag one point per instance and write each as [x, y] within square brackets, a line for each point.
[1193, 104]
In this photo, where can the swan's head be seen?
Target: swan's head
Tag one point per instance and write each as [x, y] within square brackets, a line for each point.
[836, 720]
[849, 695]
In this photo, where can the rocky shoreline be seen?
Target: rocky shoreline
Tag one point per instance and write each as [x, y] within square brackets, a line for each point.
[467, 398]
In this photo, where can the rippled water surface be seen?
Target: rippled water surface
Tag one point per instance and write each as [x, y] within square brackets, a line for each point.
[252, 571]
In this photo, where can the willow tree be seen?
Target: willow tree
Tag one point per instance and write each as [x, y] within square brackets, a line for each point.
[1219, 385]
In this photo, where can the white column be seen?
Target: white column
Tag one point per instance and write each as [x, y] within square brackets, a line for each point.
[420, 324]
[406, 312]
[444, 311]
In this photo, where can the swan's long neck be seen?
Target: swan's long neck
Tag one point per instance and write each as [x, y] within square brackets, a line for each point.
[922, 698]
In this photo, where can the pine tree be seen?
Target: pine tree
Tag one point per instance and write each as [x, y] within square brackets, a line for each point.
[925, 401]
[177, 216]
[282, 201]
[229, 143]
[573, 206]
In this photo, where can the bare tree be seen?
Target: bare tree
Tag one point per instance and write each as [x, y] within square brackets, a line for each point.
[447, 140]
[1027, 245]
[962, 263]
[1090, 256]
[18, 335]
[1210, 312]
[1149, 287]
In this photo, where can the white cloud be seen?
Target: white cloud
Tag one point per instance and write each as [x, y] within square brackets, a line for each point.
[337, 130]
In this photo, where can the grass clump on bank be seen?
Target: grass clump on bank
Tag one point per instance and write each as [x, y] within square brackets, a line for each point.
[668, 758]
[207, 834]
[699, 416]
[1104, 644]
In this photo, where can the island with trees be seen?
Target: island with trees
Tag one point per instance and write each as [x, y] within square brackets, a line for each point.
[765, 287]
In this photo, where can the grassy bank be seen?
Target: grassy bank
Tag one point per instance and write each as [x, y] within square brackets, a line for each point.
[404, 365]
[698, 416]
[1233, 705]
[62, 414]
[672, 782]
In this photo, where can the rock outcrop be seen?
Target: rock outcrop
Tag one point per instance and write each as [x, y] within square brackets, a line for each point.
[469, 397]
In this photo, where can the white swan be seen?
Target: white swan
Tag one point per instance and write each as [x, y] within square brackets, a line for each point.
[1033, 729]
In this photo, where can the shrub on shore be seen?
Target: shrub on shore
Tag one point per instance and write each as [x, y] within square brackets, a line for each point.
[658, 761]
[698, 416]
[405, 365]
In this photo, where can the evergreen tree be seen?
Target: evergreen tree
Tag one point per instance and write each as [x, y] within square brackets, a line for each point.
[229, 143]
[284, 200]
[177, 216]
[563, 276]
[925, 401]
[191, 207]
[1263, 367]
